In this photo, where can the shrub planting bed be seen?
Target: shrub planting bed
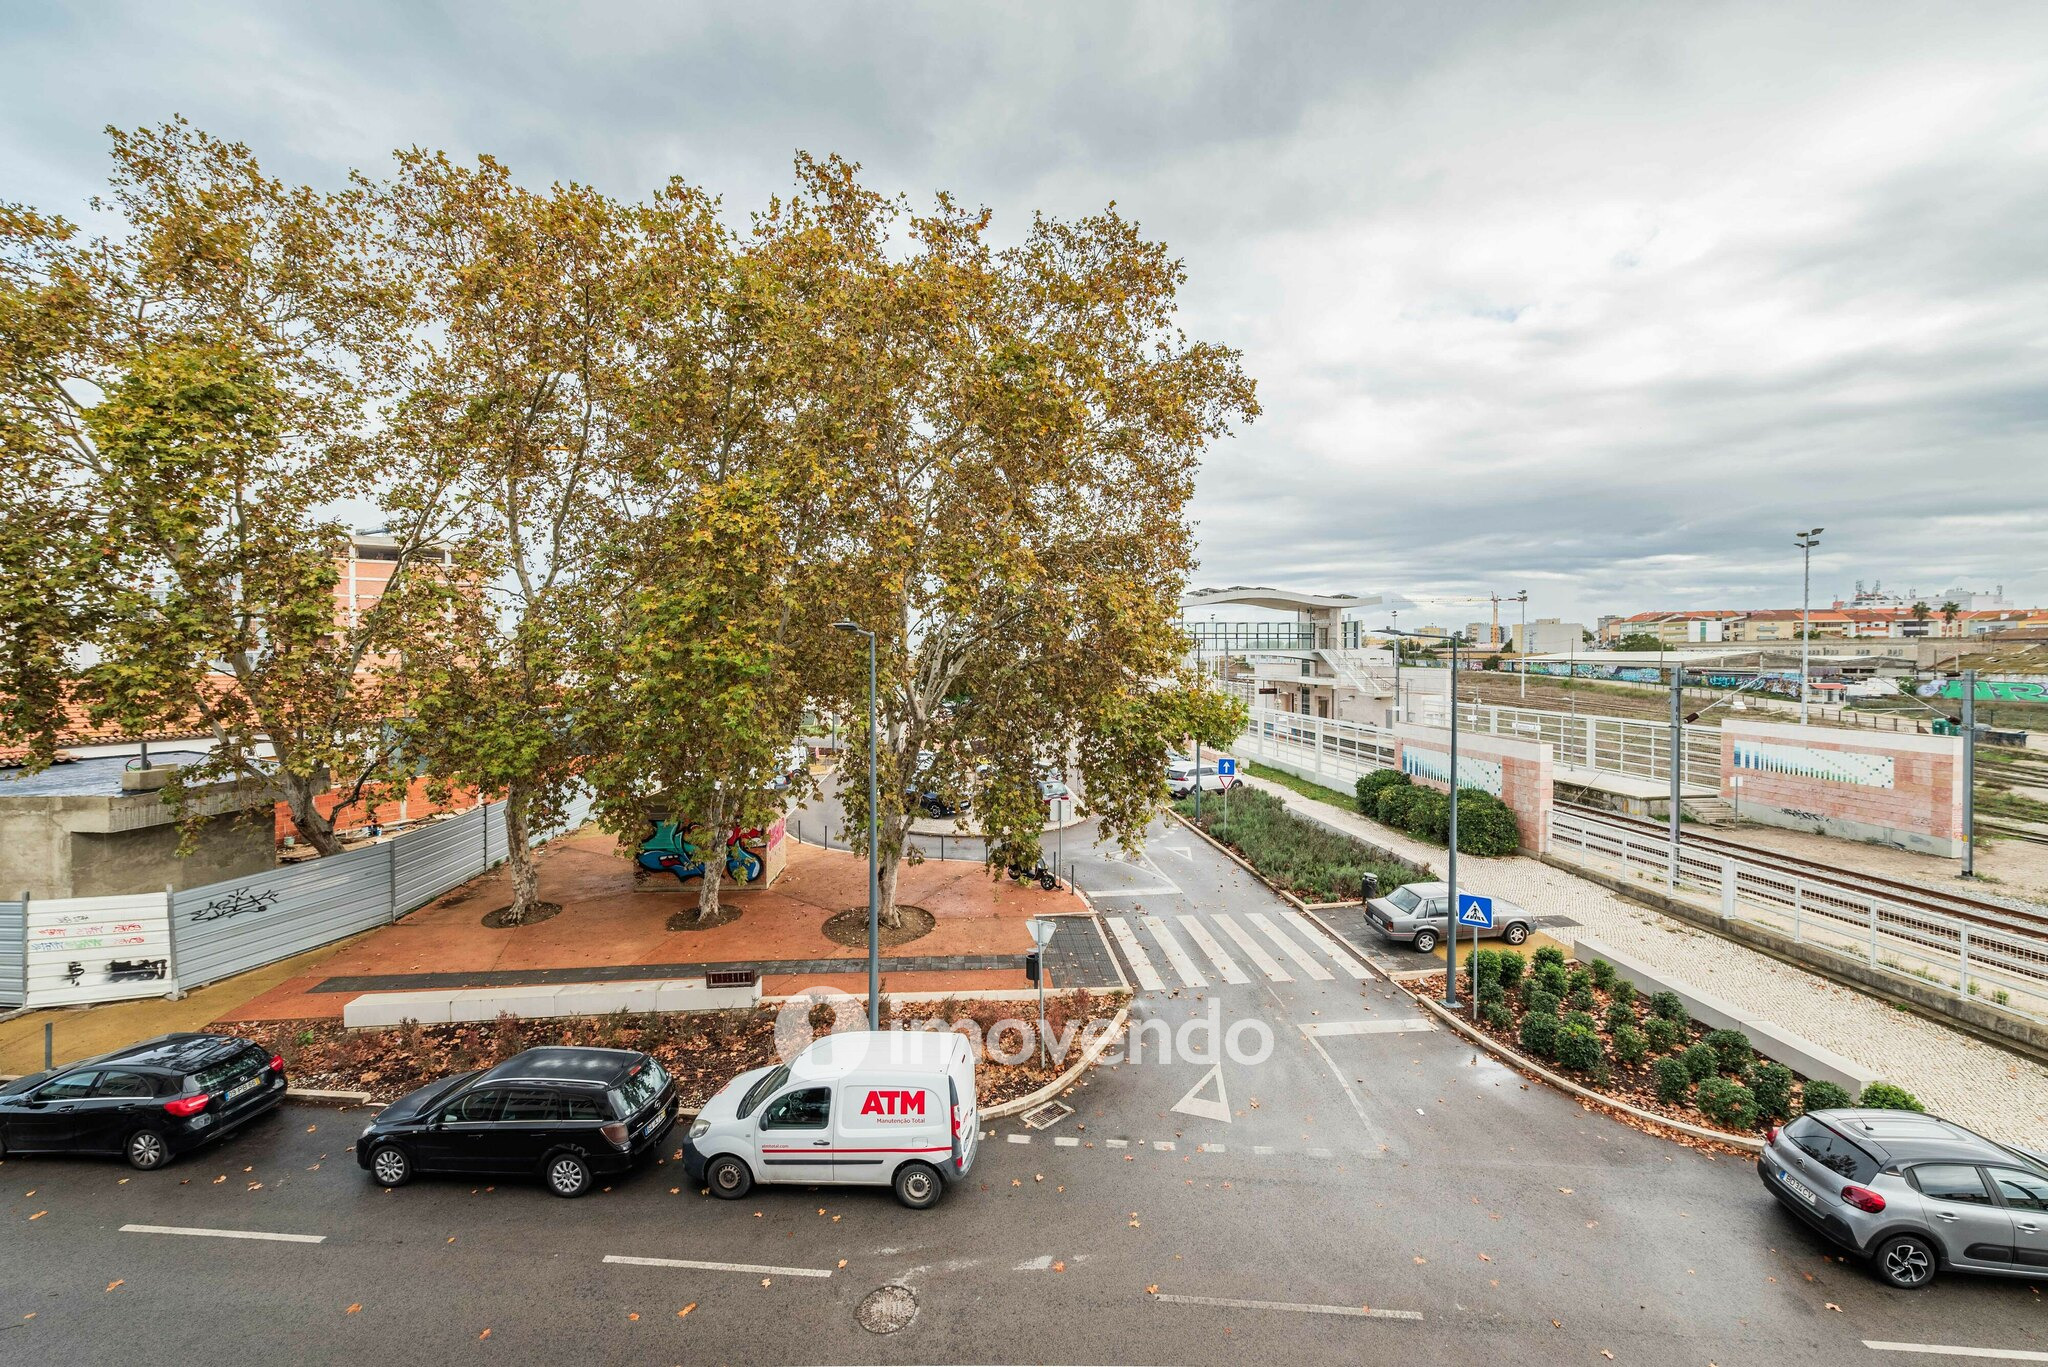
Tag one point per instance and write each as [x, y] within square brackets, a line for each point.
[1486, 825]
[1311, 861]
[1584, 1021]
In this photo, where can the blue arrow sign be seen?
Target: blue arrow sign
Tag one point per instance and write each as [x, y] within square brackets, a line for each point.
[1474, 910]
[1226, 767]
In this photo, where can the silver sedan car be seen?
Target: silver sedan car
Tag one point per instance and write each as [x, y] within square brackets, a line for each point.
[1912, 1193]
[1420, 913]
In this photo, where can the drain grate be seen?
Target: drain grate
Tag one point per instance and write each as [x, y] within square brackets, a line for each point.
[887, 1309]
[1046, 1116]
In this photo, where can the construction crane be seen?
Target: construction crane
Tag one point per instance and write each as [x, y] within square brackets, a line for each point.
[1496, 599]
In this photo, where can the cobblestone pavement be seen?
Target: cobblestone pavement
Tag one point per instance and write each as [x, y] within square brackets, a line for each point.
[1973, 1083]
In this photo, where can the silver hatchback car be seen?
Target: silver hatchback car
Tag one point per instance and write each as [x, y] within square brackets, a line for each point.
[1420, 913]
[1913, 1193]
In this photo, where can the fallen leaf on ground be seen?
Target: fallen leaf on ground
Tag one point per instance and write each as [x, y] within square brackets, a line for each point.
[1836, 1308]
[686, 1309]
[633, 1316]
[764, 1281]
[1420, 1261]
[1059, 1267]
[117, 1282]
[41, 1213]
[485, 1334]
[842, 1262]
[355, 1309]
[1152, 1290]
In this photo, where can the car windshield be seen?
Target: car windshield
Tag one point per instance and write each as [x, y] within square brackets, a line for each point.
[214, 1075]
[762, 1090]
[1405, 899]
[640, 1087]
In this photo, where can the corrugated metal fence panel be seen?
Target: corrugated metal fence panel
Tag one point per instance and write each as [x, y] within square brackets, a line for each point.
[496, 841]
[575, 812]
[228, 928]
[439, 856]
[11, 966]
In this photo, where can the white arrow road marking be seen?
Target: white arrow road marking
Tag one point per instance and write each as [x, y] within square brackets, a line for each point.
[1228, 1303]
[225, 1234]
[1330, 947]
[1949, 1350]
[1194, 1104]
[758, 1268]
[1289, 948]
[1199, 933]
[1177, 956]
[1268, 965]
[1148, 976]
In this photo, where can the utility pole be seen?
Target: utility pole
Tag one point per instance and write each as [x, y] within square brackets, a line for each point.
[1522, 665]
[1677, 769]
[1806, 541]
[1399, 713]
[1451, 861]
[1969, 773]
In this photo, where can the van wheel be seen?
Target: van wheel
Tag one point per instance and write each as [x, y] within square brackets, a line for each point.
[391, 1166]
[728, 1177]
[917, 1186]
[1905, 1262]
[147, 1151]
[1515, 933]
[1425, 941]
[568, 1176]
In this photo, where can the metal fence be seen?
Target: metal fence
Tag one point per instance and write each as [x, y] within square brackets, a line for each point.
[1989, 957]
[1333, 752]
[13, 954]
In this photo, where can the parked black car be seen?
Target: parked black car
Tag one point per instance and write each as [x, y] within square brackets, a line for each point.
[151, 1101]
[567, 1115]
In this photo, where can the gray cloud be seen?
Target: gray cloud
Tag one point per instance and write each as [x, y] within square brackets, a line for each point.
[1597, 300]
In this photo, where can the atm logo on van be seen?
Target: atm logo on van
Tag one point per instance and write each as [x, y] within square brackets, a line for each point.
[893, 1103]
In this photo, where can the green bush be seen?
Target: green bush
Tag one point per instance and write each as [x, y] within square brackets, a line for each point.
[1313, 861]
[1668, 1006]
[1622, 990]
[1496, 1015]
[1539, 1033]
[1580, 996]
[1486, 825]
[1583, 1020]
[1603, 975]
[1663, 1035]
[1629, 1044]
[1546, 956]
[1727, 1104]
[1511, 966]
[1823, 1096]
[1551, 978]
[1672, 1080]
[1371, 785]
[1700, 1062]
[1578, 1048]
[1537, 1002]
[1884, 1096]
[1771, 1085]
[1731, 1050]
[1620, 1015]
[1429, 816]
[1392, 806]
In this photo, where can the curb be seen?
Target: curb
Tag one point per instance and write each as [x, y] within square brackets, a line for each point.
[1237, 859]
[1515, 1060]
[1066, 1079]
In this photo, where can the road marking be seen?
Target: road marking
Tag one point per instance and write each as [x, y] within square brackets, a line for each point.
[1227, 966]
[1020, 1139]
[1385, 1027]
[1231, 1303]
[1262, 1149]
[1148, 976]
[758, 1268]
[225, 1234]
[1194, 1104]
[1321, 1153]
[1175, 955]
[1163, 1145]
[1950, 1350]
[1268, 965]
[1117, 1143]
[1066, 1141]
[1181, 850]
[1137, 892]
[1209, 1148]
[1330, 947]
[1289, 948]
[1357, 1104]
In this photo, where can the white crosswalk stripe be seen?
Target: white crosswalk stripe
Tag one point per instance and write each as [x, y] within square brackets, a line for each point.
[1141, 967]
[1286, 946]
[1175, 955]
[1225, 965]
[1266, 963]
[1330, 947]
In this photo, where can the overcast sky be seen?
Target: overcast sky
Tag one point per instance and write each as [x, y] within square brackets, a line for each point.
[1600, 301]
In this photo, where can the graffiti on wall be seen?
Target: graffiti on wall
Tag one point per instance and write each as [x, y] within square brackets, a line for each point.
[1988, 690]
[1802, 761]
[240, 902]
[1434, 765]
[682, 849]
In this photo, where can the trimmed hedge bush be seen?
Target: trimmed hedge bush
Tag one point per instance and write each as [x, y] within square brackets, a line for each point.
[1371, 785]
[1393, 805]
[1823, 1096]
[1663, 1035]
[1580, 995]
[1551, 978]
[1539, 1033]
[1622, 990]
[1486, 825]
[1581, 1019]
[1603, 975]
[1668, 1006]
[1700, 1062]
[1629, 1044]
[1578, 1048]
[1511, 966]
[1731, 1050]
[1673, 1080]
[1496, 1015]
[1537, 1002]
[1547, 954]
[1884, 1096]
[1727, 1104]
[1620, 1015]
[1771, 1085]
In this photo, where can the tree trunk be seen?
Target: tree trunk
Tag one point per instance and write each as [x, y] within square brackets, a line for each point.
[313, 828]
[718, 821]
[894, 834]
[519, 855]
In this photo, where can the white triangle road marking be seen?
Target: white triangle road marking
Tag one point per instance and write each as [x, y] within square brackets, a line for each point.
[1194, 1104]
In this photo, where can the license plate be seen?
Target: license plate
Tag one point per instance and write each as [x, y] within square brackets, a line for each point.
[1798, 1187]
[241, 1089]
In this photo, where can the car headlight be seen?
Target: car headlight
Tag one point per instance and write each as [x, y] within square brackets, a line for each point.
[366, 1133]
[700, 1129]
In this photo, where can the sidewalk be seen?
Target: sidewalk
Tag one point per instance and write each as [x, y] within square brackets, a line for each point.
[1975, 1084]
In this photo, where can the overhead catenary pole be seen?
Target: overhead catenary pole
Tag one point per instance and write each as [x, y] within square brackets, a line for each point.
[1451, 860]
[1677, 770]
[1522, 665]
[1969, 773]
[1806, 541]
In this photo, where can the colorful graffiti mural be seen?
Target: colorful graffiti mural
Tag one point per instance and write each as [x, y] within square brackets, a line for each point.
[1988, 690]
[673, 847]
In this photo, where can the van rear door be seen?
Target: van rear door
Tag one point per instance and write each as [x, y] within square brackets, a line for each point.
[966, 1111]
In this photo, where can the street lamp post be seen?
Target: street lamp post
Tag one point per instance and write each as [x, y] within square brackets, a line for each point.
[1398, 714]
[1451, 858]
[874, 845]
[1522, 665]
[1806, 541]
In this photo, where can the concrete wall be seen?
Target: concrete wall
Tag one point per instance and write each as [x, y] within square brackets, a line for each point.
[378, 1009]
[109, 846]
[1900, 790]
[1518, 772]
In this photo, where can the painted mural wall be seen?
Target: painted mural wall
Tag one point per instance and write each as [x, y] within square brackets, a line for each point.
[1518, 772]
[1900, 790]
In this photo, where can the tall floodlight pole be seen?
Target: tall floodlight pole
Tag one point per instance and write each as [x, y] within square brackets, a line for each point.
[1399, 713]
[1807, 540]
[874, 845]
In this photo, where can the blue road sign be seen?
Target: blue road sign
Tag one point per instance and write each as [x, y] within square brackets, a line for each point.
[1476, 911]
[1226, 767]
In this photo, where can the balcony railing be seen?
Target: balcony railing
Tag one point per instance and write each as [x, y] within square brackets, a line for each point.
[1225, 638]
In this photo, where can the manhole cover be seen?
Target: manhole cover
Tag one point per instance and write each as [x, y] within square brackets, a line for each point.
[887, 1309]
[1051, 1113]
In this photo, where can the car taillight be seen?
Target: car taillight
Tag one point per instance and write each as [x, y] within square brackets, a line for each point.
[1863, 1198]
[187, 1105]
[1771, 1135]
[277, 1063]
[616, 1132]
[956, 1122]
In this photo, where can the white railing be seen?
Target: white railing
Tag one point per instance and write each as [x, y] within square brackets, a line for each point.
[2002, 959]
[1613, 745]
[1336, 753]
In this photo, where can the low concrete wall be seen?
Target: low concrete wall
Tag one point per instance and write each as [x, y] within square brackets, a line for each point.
[1802, 1057]
[378, 1009]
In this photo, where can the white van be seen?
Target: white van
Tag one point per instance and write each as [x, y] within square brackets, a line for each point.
[891, 1108]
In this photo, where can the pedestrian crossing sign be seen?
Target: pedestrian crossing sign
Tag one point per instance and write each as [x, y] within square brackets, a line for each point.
[1475, 911]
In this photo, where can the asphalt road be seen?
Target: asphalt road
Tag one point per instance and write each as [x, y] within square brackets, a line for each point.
[1178, 1215]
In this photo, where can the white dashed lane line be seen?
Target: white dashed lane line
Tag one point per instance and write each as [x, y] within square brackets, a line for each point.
[758, 1269]
[225, 1234]
[1297, 1307]
[1957, 1351]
